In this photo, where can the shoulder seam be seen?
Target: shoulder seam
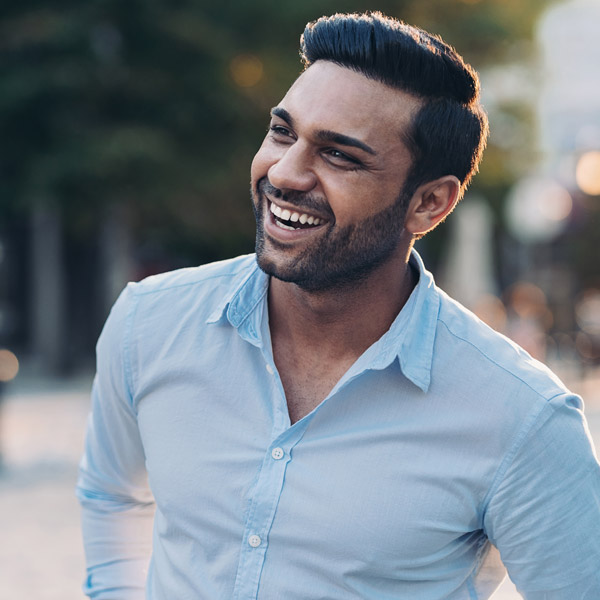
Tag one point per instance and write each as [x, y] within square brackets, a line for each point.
[491, 360]
[141, 292]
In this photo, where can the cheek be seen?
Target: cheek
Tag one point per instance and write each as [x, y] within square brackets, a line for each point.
[262, 161]
[356, 198]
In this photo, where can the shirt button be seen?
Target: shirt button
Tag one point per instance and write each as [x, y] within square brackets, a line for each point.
[270, 369]
[277, 453]
[254, 541]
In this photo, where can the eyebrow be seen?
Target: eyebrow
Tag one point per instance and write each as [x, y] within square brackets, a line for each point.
[325, 135]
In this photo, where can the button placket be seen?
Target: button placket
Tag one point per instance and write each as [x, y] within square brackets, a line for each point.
[258, 524]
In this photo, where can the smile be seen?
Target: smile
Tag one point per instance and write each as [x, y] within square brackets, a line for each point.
[286, 219]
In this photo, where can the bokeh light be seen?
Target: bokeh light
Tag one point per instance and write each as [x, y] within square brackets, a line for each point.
[538, 209]
[9, 365]
[246, 70]
[528, 301]
[586, 347]
[587, 173]
[587, 312]
[490, 309]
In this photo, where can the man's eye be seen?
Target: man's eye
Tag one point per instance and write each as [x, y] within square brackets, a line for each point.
[337, 154]
[278, 130]
[340, 156]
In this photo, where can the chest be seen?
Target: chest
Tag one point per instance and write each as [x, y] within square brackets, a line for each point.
[370, 449]
[308, 379]
[359, 477]
[303, 393]
[376, 478]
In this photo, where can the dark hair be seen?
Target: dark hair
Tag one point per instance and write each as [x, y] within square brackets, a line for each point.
[449, 131]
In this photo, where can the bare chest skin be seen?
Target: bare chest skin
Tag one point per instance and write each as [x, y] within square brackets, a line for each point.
[308, 379]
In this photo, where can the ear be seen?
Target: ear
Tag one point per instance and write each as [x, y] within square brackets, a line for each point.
[431, 203]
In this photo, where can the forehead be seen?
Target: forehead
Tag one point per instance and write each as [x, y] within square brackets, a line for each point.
[327, 96]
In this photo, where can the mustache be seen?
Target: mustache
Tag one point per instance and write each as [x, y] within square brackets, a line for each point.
[301, 200]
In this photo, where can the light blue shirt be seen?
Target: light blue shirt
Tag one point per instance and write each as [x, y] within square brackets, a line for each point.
[442, 439]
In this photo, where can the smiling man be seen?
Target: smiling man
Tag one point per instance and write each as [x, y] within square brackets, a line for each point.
[319, 420]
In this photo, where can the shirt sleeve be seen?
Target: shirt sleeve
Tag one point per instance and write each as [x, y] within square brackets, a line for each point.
[544, 511]
[117, 505]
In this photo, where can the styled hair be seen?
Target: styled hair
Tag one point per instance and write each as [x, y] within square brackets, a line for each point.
[449, 131]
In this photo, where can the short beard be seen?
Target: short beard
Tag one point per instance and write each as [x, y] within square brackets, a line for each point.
[343, 257]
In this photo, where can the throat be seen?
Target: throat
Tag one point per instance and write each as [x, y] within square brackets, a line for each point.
[340, 322]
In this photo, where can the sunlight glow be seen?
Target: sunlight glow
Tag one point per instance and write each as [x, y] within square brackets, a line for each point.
[587, 312]
[9, 365]
[538, 209]
[587, 173]
[246, 70]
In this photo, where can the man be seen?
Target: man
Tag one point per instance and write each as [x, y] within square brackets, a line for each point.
[331, 425]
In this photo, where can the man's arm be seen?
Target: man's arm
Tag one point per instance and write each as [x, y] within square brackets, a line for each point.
[544, 508]
[117, 505]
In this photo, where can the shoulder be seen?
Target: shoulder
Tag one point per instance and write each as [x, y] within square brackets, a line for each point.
[224, 271]
[186, 295]
[201, 288]
[493, 390]
[167, 314]
[488, 357]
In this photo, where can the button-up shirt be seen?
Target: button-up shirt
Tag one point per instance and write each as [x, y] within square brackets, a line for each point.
[443, 444]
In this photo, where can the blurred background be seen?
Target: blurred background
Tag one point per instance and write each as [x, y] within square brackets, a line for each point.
[126, 134]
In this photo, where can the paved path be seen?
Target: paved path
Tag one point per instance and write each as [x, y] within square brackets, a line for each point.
[41, 435]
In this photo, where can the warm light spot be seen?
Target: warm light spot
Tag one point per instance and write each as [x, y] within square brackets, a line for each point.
[585, 346]
[491, 311]
[528, 302]
[527, 298]
[587, 312]
[587, 173]
[246, 70]
[9, 365]
[557, 205]
[538, 209]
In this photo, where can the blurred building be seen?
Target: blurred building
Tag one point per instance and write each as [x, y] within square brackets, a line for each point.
[569, 102]
[553, 213]
[55, 291]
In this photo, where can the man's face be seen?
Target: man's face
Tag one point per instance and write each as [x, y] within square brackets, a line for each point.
[327, 181]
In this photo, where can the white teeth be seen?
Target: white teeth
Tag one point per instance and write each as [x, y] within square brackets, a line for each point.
[286, 215]
[280, 224]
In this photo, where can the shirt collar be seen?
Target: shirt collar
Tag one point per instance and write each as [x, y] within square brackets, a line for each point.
[238, 306]
[410, 338]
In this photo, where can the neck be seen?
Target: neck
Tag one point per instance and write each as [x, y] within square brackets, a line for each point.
[340, 322]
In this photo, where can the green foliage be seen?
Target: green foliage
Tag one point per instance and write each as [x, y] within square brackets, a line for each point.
[136, 103]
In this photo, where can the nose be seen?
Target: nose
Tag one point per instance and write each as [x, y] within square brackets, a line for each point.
[293, 170]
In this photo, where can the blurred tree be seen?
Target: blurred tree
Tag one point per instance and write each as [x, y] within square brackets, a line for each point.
[157, 107]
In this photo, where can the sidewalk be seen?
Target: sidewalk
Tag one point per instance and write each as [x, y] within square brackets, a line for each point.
[42, 426]
[41, 436]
